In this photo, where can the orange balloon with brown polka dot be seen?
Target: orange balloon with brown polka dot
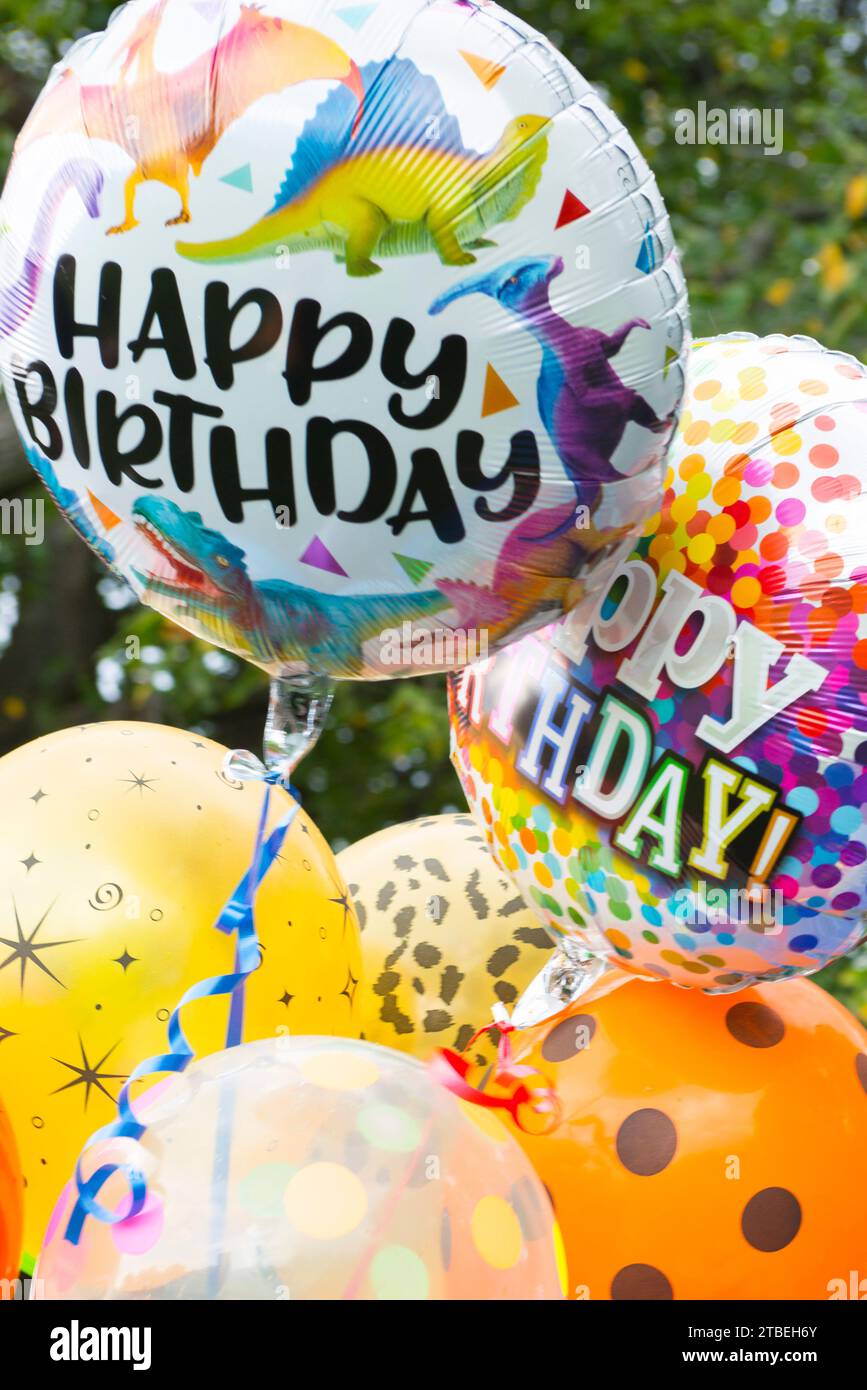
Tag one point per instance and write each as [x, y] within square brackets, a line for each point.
[709, 1147]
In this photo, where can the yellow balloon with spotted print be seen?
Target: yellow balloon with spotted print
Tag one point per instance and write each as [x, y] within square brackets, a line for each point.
[119, 844]
[444, 934]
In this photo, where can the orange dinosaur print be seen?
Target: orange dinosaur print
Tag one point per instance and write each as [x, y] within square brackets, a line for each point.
[169, 122]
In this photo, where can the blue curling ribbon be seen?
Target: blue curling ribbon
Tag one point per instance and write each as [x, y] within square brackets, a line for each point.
[236, 917]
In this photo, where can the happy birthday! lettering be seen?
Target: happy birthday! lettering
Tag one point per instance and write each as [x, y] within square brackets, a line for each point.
[597, 748]
[145, 442]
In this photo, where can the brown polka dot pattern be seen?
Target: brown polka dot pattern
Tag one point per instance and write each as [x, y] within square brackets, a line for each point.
[715, 1146]
[646, 1142]
[755, 1025]
[771, 1219]
[640, 1282]
[569, 1038]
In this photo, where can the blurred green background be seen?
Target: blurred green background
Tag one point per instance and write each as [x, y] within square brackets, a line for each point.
[769, 244]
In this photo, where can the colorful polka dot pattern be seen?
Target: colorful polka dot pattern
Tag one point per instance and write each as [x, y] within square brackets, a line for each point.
[350, 1174]
[765, 507]
[707, 1148]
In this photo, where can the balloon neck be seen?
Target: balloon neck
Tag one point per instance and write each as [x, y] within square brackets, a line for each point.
[297, 712]
[569, 974]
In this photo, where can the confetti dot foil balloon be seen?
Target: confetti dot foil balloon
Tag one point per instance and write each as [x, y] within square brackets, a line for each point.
[347, 334]
[676, 775]
[444, 934]
[120, 844]
[11, 1203]
[708, 1148]
[310, 1168]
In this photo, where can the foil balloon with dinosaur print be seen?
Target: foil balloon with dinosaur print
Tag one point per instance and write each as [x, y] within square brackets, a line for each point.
[348, 335]
[676, 774]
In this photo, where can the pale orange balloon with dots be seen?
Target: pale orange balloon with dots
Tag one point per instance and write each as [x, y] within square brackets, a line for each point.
[312, 1169]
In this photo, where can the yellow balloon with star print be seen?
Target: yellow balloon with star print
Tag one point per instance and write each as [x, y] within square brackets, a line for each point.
[119, 845]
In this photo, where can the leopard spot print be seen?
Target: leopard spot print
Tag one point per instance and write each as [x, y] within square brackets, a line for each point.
[403, 920]
[502, 958]
[435, 1020]
[476, 899]
[435, 965]
[391, 1014]
[385, 896]
[387, 982]
[436, 870]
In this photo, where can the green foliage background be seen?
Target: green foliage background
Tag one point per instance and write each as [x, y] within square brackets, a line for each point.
[769, 244]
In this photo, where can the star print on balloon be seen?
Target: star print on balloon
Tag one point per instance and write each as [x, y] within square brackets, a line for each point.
[25, 949]
[348, 991]
[344, 903]
[89, 1074]
[138, 782]
[138, 842]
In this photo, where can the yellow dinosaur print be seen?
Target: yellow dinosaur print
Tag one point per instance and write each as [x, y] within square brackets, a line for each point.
[398, 198]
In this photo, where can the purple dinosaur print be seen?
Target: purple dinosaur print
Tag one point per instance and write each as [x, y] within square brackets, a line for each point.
[528, 577]
[584, 405]
[18, 297]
